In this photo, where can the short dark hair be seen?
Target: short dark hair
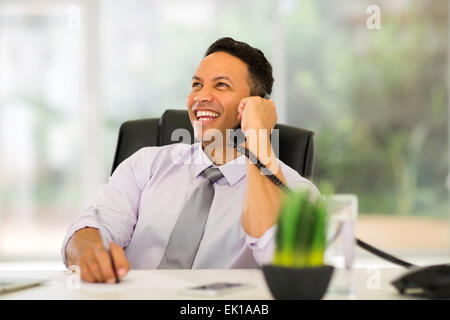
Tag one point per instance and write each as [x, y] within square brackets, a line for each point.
[259, 68]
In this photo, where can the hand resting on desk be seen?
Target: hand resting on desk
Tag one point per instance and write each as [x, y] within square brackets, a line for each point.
[85, 249]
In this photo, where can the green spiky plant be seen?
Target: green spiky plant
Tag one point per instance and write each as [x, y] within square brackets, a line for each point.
[301, 233]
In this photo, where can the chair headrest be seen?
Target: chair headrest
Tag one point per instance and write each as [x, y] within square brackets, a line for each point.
[170, 123]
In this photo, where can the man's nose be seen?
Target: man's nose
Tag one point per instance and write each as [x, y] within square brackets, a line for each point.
[204, 95]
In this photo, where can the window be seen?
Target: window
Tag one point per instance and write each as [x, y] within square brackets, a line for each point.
[72, 71]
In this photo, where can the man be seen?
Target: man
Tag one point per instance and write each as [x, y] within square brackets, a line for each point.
[143, 206]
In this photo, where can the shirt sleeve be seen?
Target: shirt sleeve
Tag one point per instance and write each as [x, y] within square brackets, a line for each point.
[263, 248]
[117, 201]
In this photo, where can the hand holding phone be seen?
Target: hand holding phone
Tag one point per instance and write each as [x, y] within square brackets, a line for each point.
[237, 135]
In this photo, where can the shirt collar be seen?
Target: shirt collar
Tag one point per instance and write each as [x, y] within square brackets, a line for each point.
[233, 170]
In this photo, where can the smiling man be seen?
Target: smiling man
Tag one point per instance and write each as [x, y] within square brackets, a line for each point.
[219, 212]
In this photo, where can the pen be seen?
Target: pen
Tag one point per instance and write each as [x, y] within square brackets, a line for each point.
[105, 243]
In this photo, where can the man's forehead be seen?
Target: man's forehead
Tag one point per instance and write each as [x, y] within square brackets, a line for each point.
[221, 64]
[215, 78]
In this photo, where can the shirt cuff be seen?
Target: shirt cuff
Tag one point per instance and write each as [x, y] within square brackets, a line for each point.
[87, 223]
[263, 248]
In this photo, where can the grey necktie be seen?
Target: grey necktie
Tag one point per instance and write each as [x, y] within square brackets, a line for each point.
[188, 231]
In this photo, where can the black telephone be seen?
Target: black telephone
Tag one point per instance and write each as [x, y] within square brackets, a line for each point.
[430, 282]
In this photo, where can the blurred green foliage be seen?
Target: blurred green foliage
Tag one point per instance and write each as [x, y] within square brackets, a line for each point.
[377, 100]
[302, 231]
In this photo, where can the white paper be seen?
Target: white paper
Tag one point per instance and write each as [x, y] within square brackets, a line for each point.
[137, 281]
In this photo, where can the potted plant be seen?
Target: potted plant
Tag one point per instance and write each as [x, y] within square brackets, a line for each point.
[298, 270]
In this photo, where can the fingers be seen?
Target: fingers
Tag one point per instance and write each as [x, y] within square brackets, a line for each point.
[257, 113]
[86, 273]
[93, 267]
[120, 261]
[97, 266]
[105, 263]
[243, 103]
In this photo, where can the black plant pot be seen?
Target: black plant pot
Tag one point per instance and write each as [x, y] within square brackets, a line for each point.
[297, 283]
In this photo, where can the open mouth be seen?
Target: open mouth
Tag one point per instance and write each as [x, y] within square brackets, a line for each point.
[206, 116]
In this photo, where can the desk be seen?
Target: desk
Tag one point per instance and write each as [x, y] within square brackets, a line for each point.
[57, 286]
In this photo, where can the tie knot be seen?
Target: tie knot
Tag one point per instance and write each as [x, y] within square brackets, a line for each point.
[212, 174]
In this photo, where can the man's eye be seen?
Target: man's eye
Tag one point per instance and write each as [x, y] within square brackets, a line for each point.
[222, 84]
[196, 84]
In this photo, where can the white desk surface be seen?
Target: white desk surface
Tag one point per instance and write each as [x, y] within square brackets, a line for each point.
[164, 284]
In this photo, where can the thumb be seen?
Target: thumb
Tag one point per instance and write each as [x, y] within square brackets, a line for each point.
[120, 260]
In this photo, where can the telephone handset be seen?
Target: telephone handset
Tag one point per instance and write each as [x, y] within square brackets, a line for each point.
[235, 140]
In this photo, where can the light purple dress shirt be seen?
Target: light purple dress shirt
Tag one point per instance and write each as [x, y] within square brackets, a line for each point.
[146, 193]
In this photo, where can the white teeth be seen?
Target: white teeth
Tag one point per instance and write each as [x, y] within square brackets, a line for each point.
[207, 114]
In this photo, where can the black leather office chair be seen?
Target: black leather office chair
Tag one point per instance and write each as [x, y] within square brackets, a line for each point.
[296, 145]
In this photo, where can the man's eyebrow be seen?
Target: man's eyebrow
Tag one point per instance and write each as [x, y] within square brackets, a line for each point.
[222, 78]
[215, 79]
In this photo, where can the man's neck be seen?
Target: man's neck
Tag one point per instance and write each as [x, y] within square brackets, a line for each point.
[219, 155]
